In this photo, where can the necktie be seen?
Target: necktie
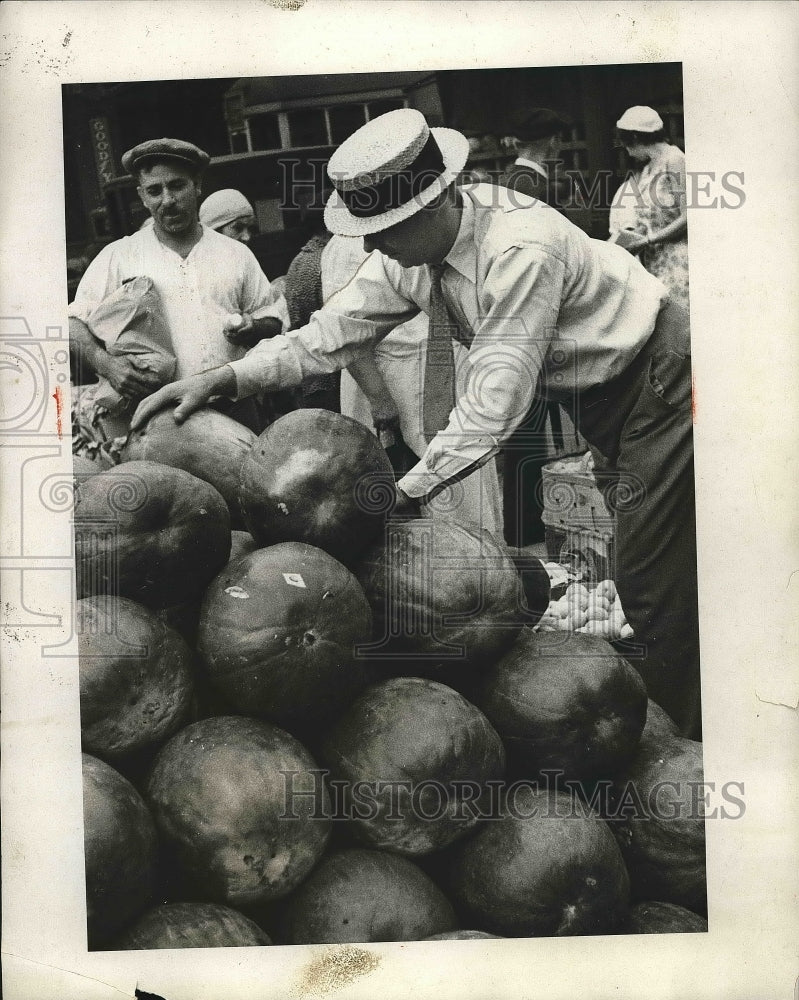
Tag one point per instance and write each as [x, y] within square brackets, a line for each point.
[439, 375]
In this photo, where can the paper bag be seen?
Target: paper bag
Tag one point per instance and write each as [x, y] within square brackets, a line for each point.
[130, 322]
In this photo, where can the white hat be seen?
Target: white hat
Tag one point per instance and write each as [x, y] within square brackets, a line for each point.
[388, 170]
[640, 119]
[223, 207]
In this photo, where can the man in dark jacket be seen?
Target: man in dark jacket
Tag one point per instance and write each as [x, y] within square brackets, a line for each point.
[536, 137]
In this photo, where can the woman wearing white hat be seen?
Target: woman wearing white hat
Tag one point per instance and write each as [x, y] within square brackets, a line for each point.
[648, 216]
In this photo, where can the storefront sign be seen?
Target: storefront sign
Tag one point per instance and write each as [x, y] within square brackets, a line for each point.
[103, 150]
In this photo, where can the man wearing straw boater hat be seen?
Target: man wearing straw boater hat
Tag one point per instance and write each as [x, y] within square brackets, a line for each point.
[530, 294]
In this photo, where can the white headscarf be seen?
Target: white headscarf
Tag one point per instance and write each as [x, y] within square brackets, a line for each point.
[223, 207]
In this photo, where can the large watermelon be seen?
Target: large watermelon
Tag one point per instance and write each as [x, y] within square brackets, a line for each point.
[192, 925]
[317, 477]
[149, 532]
[659, 724]
[462, 936]
[441, 595]
[565, 702]
[120, 848]
[360, 895]
[278, 633]
[664, 918]
[415, 757]
[657, 814]
[136, 677]
[547, 867]
[208, 444]
[241, 808]
[82, 469]
[241, 543]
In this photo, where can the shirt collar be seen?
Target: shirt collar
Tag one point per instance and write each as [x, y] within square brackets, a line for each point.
[463, 256]
[524, 162]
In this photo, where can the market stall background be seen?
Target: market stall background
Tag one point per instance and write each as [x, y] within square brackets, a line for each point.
[263, 133]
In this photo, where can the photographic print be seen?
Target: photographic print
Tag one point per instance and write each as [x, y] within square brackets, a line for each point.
[362, 555]
[465, 680]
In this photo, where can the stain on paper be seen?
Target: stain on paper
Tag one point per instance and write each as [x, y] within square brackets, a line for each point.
[59, 409]
[337, 968]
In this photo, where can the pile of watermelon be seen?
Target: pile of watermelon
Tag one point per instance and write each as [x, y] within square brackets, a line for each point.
[307, 721]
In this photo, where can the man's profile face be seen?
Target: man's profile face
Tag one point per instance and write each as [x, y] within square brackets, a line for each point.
[170, 193]
[411, 243]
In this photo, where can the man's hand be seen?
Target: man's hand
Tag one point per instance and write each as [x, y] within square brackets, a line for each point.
[238, 329]
[124, 375]
[244, 331]
[406, 508]
[190, 394]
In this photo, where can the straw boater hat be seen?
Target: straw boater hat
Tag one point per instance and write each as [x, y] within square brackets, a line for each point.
[390, 169]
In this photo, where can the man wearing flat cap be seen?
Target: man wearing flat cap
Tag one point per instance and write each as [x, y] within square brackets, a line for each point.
[530, 294]
[215, 299]
[535, 135]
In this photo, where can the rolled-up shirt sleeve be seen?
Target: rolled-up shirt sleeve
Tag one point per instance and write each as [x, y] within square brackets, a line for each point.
[359, 315]
[520, 300]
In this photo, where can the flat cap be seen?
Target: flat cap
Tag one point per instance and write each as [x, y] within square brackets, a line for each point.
[170, 149]
[536, 123]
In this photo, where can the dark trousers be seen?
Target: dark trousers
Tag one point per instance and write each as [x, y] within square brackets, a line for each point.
[641, 425]
[524, 455]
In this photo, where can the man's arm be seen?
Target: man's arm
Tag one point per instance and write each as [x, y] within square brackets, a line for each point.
[361, 314]
[101, 278]
[372, 384]
[521, 299]
[121, 372]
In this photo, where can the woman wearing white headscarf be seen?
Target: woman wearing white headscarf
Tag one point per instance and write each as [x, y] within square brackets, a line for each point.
[229, 213]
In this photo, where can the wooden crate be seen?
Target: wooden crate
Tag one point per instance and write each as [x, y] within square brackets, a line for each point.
[579, 528]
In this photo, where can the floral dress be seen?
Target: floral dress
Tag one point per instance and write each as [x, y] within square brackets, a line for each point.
[647, 202]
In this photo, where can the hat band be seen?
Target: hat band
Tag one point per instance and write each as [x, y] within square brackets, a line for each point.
[399, 188]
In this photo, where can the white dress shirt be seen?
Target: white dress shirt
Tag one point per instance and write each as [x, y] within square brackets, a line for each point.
[218, 278]
[530, 291]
